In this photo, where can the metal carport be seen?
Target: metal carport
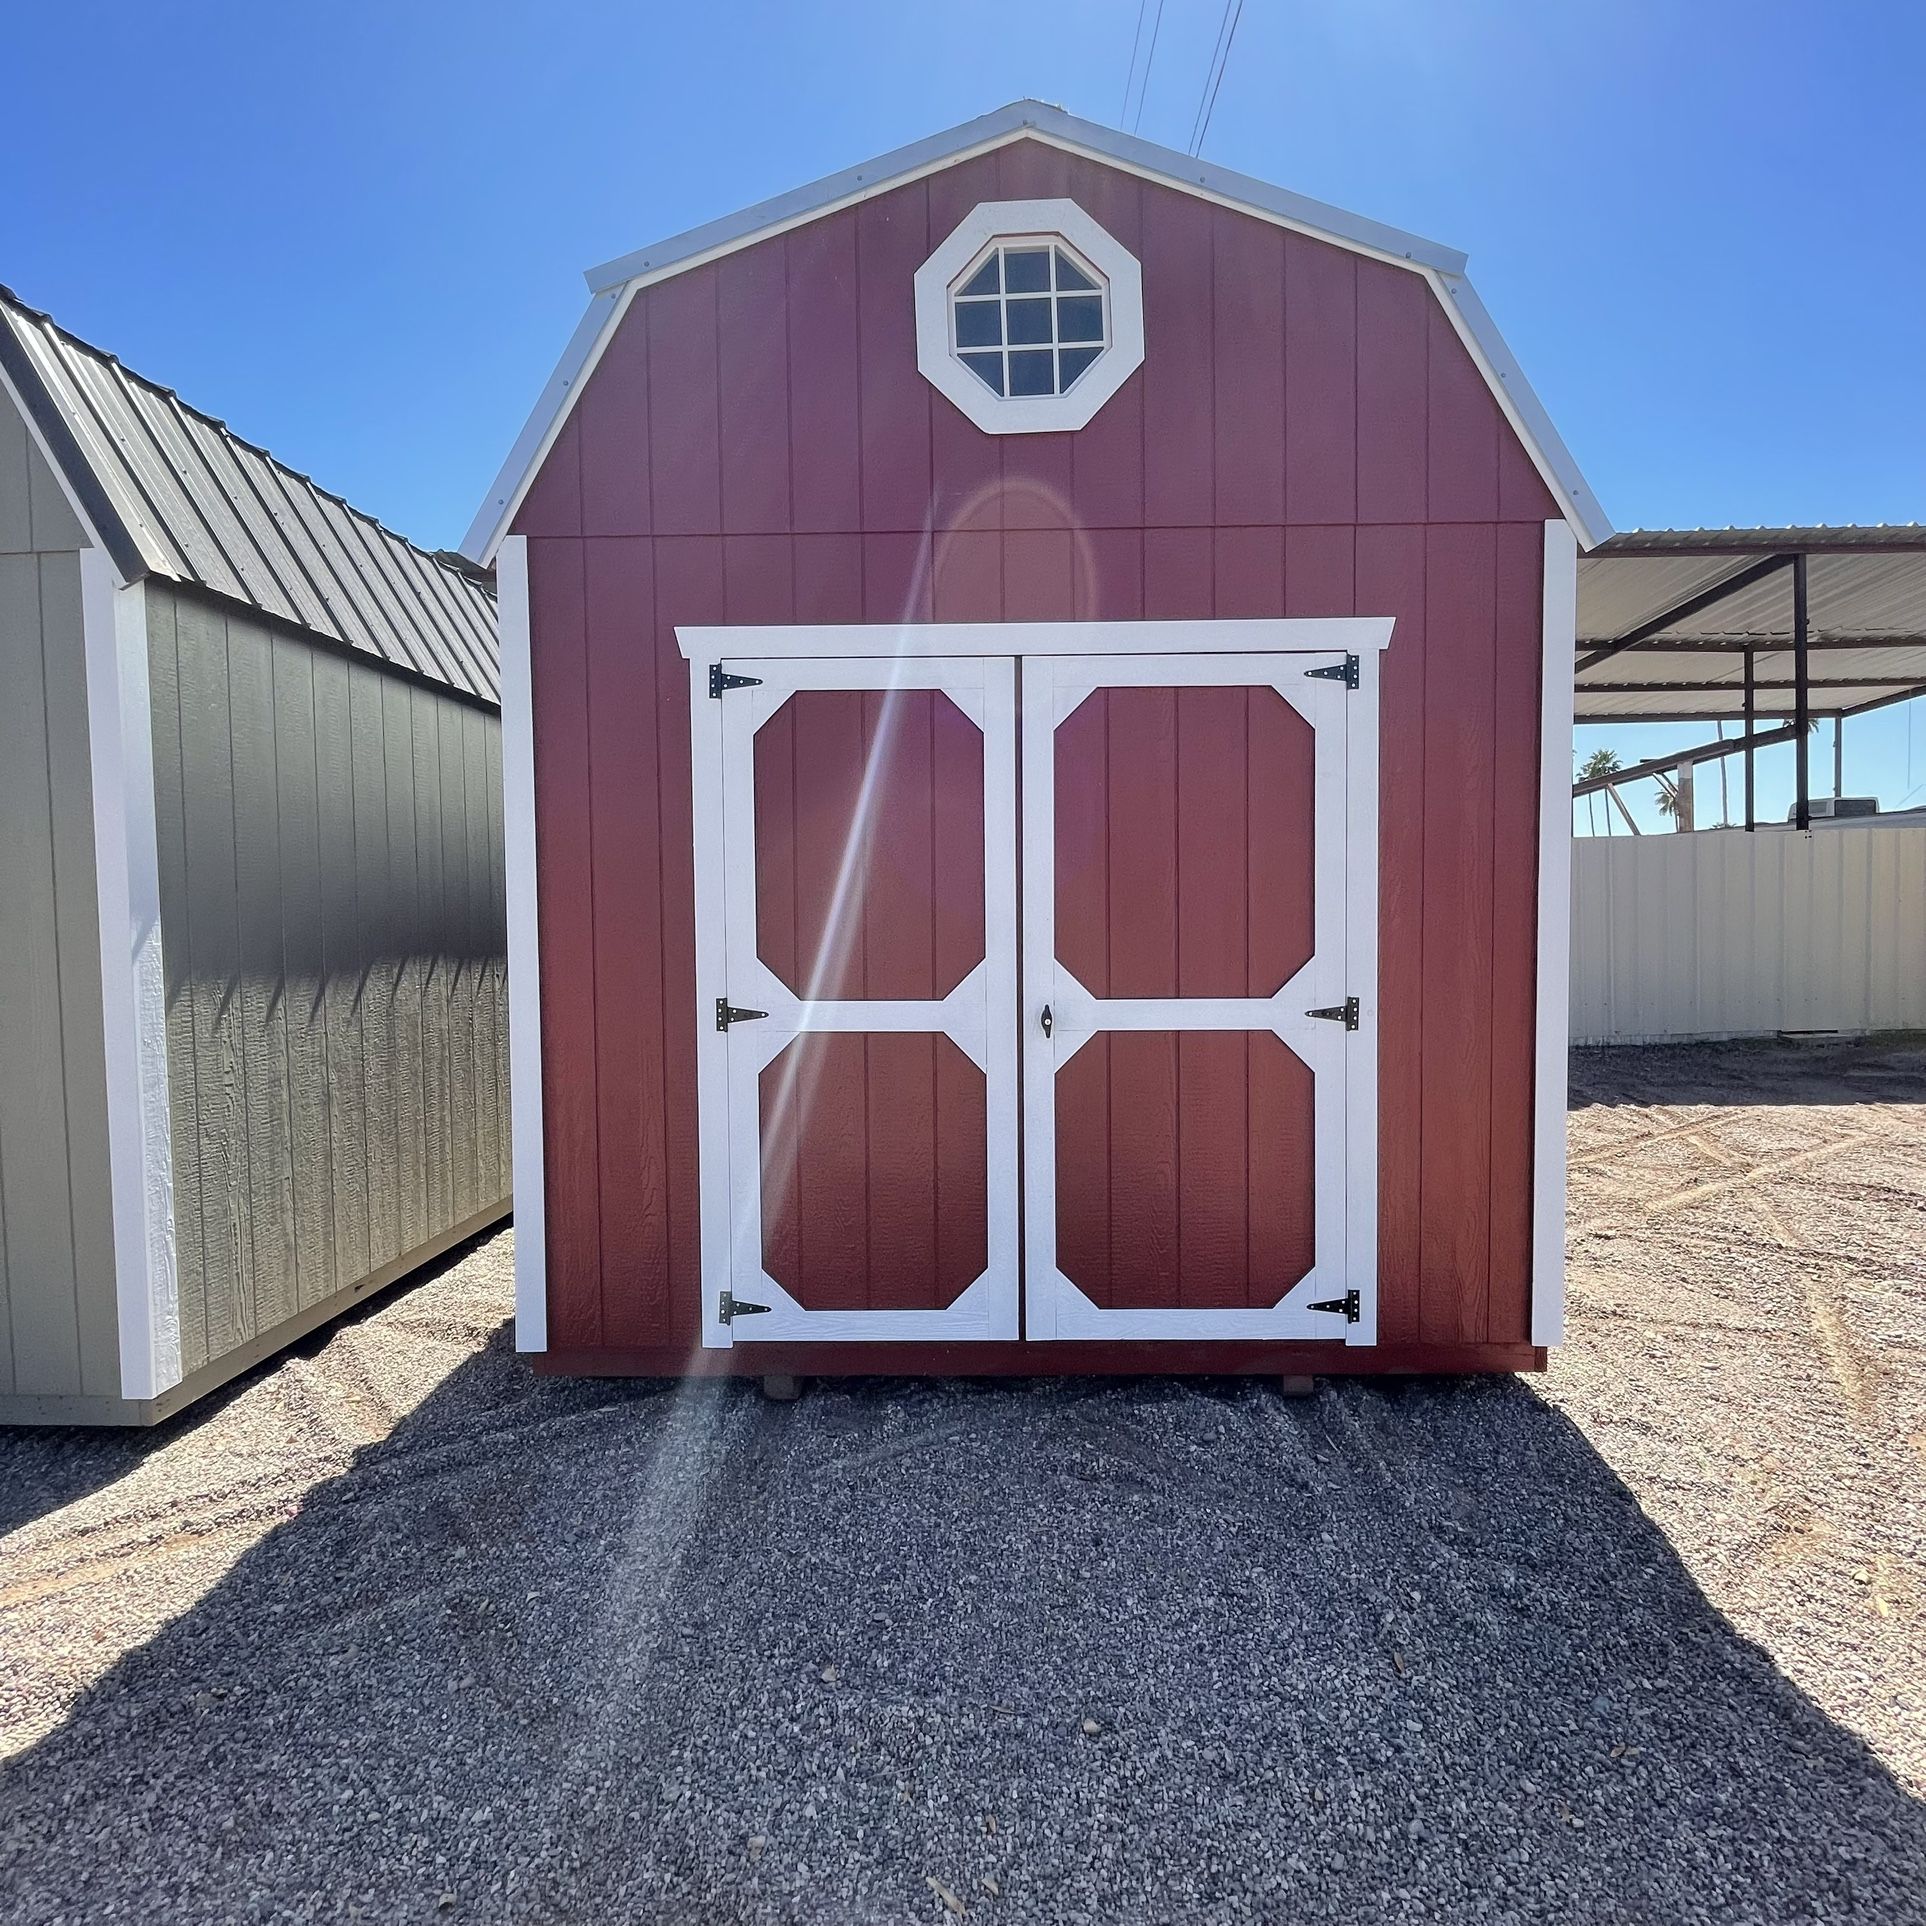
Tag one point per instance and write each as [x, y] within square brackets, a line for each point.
[1772, 626]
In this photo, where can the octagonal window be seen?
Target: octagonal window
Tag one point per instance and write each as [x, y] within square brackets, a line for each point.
[1029, 318]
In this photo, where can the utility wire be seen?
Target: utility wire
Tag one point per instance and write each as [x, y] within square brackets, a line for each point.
[1227, 32]
[1150, 60]
[1135, 39]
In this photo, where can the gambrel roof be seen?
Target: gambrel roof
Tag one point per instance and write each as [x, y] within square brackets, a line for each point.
[170, 491]
[611, 285]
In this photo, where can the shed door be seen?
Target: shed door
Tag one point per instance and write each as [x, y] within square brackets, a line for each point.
[870, 917]
[1198, 878]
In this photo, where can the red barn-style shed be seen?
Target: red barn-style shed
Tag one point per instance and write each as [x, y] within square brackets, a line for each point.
[1037, 706]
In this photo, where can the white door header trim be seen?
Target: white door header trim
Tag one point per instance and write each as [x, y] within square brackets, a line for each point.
[1354, 634]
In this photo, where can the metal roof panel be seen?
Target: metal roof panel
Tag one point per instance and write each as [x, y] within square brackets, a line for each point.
[197, 503]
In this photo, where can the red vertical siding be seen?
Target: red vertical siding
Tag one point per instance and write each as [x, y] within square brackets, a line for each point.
[1306, 436]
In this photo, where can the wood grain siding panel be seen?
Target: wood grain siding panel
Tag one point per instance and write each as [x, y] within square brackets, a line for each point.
[1391, 581]
[321, 916]
[825, 405]
[752, 375]
[892, 241]
[259, 1003]
[56, 1251]
[1455, 1120]
[1306, 436]
[685, 426]
[1247, 367]
[565, 849]
[1320, 383]
[1393, 461]
[626, 893]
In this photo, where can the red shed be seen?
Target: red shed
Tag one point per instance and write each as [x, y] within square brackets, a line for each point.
[1037, 707]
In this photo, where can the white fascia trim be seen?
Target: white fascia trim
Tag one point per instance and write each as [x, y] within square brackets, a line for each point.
[1262, 635]
[616, 282]
[1550, 1096]
[524, 949]
[133, 980]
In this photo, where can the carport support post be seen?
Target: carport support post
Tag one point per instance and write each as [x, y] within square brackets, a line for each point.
[1751, 716]
[1838, 755]
[1801, 699]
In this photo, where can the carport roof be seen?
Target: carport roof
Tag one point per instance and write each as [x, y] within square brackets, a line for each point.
[1666, 618]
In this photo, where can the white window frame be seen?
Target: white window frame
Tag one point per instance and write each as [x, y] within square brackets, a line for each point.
[1017, 223]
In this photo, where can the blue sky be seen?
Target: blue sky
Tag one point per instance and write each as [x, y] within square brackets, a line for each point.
[357, 231]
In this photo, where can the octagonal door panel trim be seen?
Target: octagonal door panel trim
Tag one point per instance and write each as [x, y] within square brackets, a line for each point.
[1210, 826]
[841, 853]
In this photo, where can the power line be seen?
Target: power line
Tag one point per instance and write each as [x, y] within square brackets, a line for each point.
[1135, 38]
[1227, 32]
[1150, 60]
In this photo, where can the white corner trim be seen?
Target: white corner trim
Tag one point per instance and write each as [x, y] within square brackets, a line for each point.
[524, 949]
[1553, 1015]
[1261, 635]
[132, 980]
[1044, 222]
[616, 282]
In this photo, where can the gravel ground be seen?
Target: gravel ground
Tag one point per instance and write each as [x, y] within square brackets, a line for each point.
[396, 1631]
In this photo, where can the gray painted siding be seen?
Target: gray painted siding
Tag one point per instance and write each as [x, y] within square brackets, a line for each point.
[333, 926]
[58, 1330]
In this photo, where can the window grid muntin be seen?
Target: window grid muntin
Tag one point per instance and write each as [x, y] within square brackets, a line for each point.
[1055, 248]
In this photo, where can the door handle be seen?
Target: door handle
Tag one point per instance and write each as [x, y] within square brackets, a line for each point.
[1049, 1022]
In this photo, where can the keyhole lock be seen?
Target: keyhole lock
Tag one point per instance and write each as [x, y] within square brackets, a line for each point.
[1049, 1022]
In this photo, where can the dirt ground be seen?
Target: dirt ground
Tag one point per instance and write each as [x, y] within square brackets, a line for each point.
[395, 1630]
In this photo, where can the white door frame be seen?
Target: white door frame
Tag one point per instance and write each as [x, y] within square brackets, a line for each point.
[705, 647]
[1343, 964]
[979, 1016]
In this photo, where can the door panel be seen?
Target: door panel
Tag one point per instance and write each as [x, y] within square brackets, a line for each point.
[1191, 893]
[869, 892]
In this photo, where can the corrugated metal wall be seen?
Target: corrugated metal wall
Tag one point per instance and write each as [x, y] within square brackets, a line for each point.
[58, 1334]
[331, 880]
[1728, 934]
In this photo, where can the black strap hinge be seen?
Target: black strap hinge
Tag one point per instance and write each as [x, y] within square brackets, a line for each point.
[1345, 672]
[728, 1013]
[732, 1307]
[1345, 1013]
[1349, 1305]
[720, 679]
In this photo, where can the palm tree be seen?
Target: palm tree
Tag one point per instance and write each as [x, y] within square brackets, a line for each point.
[1601, 762]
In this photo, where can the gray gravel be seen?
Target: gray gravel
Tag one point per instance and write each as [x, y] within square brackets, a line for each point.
[398, 1631]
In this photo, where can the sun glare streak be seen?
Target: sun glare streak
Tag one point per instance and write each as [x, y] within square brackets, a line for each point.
[796, 1088]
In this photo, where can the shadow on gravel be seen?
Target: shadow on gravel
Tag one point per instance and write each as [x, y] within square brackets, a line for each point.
[44, 1468]
[1810, 1070]
[1135, 1651]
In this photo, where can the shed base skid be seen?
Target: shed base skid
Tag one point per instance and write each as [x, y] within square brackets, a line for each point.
[1019, 1360]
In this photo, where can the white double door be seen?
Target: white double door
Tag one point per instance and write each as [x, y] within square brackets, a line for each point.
[1126, 1001]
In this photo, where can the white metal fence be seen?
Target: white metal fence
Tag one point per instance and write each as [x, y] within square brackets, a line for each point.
[1724, 934]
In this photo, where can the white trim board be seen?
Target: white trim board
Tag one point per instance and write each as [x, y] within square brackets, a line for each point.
[1263, 635]
[120, 740]
[524, 949]
[1552, 1015]
[616, 283]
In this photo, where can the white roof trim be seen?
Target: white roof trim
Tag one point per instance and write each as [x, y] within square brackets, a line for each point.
[614, 283]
